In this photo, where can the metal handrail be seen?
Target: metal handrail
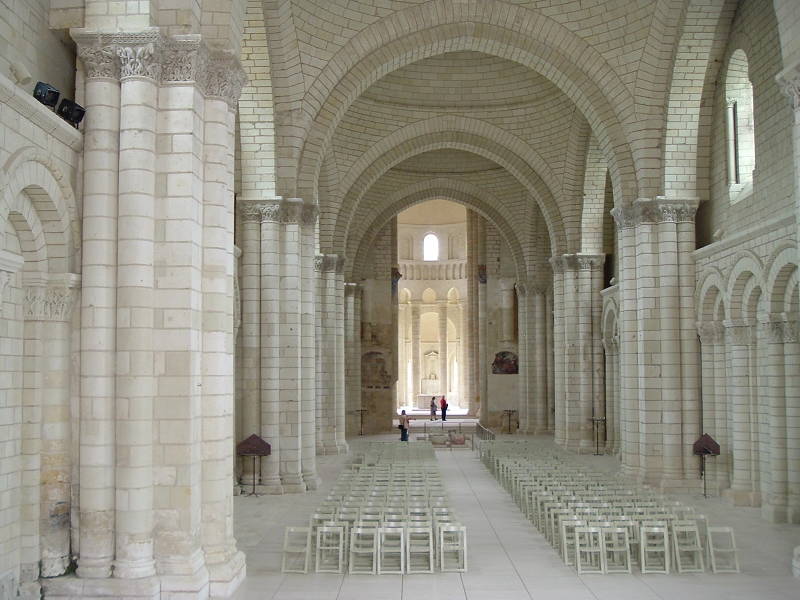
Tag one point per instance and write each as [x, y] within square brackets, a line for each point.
[482, 433]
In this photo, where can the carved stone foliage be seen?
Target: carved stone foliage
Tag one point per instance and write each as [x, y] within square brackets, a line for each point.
[182, 58]
[657, 210]
[49, 303]
[789, 82]
[328, 263]
[781, 332]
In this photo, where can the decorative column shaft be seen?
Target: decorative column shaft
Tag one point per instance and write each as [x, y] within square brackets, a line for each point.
[524, 360]
[660, 388]
[443, 370]
[48, 313]
[98, 307]
[506, 292]
[135, 386]
[740, 336]
[537, 332]
[415, 352]
[339, 397]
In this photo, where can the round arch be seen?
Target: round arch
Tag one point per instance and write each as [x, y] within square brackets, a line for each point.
[360, 242]
[338, 222]
[492, 27]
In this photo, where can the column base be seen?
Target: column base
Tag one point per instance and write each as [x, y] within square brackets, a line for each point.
[327, 449]
[796, 562]
[742, 497]
[312, 481]
[293, 484]
[54, 566]
[225, 577]
[30, 591]
[775, 513]
[342, 447]
[70, 587]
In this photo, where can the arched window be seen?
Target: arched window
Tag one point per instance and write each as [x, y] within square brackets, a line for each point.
[430, 247]
[741, 154]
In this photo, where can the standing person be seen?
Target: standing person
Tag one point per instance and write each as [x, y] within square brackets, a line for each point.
[403, 426]
[433, 408]
[443, 405]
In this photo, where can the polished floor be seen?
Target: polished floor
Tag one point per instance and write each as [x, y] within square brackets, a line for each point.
[508, 559]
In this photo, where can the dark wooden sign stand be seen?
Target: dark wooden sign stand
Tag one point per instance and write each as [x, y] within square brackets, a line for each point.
[256, 447]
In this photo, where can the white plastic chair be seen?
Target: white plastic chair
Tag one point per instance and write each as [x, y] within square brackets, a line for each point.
[654, 549]
[363, 551]
[589, 550]
[419, 549]
[296, 549]
[452, 548]
[391, 550]
[330, 549]
[688, 550]
[722, 550]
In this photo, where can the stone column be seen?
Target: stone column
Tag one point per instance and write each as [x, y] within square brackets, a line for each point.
[537, 332]
[443, 370]
[740, 336]
[332, 359]
[249, 216]
[339, 397]
[308, 352]
[774, 507]
[506, 292]
[270, 342]
[415, 351]
[525, 360]
[660, 391]
[709, 339]
[559, 343]
[352, 357]
[98, 306]
[549, 354]
[135, 382]
[723, 407]
[791, 373]
[463, 340]
[225, 563]
[610, 345]
[48, 313]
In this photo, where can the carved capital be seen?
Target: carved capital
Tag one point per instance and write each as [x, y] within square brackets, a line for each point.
[184, 58]
[328, 263]
[789, 82]
[309, 215]
[224, 77]
[141, 60]
[656, 210]
[271, 211]
[781, 332]
[522, 289]
[248, 211]
[590, 262]
[739, 333]
[99, 61]
[49, 302]
[711, 333]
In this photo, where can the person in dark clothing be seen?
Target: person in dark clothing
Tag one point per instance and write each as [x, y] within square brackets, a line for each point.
[403, 426]
[443, 406]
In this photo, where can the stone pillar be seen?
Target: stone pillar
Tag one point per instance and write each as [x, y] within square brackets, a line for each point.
[723, 407]
[249, 218]
[791, 373]
[658, 350]
[789, 82]
[135, 382]
[225, 563]
[308, 351]
[415, 351]
[537, 340]
[339, 397]
[270, 342]
[611, 348]
[331, 383]
[463, 341]
[98, 307]
[710, 339]
[774, 507]
[352, 320]
[48, 312]
[506, 292]
[549, 354]
[443, 370]
[559, 342]
[525, 360]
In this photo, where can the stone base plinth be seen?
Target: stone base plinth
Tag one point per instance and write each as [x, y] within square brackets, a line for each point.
[225, 578]
[742, 497]
[70, 587]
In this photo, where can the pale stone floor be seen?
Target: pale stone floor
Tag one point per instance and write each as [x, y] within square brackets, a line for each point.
[508, 558]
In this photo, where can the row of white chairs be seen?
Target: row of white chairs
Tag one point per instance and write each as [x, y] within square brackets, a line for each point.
[387, 513]
[604, 524]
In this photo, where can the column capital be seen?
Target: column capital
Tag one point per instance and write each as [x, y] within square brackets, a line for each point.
[710, 332]
[577, 262]
[329, 263]
[739, 333]
[789, 82]
[151, 54]
[782, 331]
[50, 298]
[277, 210]
[655, 210]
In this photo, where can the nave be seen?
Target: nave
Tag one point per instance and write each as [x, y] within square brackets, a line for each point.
[508, 558]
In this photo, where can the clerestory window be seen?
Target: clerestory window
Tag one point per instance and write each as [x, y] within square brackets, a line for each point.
[741, 155]
[430, 247]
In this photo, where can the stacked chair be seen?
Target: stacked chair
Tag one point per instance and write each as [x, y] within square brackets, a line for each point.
[601, 523]
[387, 513]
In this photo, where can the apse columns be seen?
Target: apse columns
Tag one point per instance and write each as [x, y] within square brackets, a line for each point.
[658, 341]
[443, 370]
[352, 332]
[415, 351]
[578, 280]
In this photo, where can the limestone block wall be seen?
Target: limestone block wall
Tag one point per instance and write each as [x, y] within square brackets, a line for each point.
[28, 44]
[39, 274]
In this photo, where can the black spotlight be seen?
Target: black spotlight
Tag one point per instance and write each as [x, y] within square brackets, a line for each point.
[71, 112]
[46, 94]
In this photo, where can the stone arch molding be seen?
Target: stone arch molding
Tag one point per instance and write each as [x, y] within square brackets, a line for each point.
[780, 280]
[490, 26]
[54, 213]
[713, 284]
[472, 139]
[743, 280]
[467, 194]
